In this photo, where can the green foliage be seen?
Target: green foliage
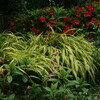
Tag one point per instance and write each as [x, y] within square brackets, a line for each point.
[68, 52]
[69, 21]
[3, 97]
[35, 92]
[52, 65]
[53, 91]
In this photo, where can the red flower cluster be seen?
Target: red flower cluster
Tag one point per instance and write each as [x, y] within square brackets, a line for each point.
[78, 15]
[88, 23]
[91, 35]
[51, 12]
[66, 27]
[42, 19]
[35, 31]
[93, 20]
[52, 21]
[43, 9]
[87, 14]
[90, 8]
[67, 18]
[79, 9]
[75, 22]
[69, 32]
[11, 25]
[49, 25]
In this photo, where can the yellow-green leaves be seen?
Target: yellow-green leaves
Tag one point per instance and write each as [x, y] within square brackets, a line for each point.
[70, 52]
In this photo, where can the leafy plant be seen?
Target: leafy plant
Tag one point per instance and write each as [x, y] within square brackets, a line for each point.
[71, 52]
[40, 20]
[34, 92]
[53, 91]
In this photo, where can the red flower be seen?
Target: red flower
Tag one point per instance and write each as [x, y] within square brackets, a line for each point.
[64, 31]
[42, 19]
[66, 27]
[78, 15]
[52, 21]
[75, 22]
[87, 14]
[43, 9]
[79, 9]
[71, 32]
[91, 35]
[88, 23]
[90, 8]
[49, 25]
[35, 31]
[12, 23]
[67, 18]
[51, 12]
[93, 20]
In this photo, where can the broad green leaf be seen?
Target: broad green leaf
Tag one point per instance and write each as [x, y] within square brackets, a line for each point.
[24, 78]
[11, 97]
[9, 79]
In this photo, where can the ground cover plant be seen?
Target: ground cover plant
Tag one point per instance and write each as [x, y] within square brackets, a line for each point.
[52, 54]
[67, 51]
[39, 61]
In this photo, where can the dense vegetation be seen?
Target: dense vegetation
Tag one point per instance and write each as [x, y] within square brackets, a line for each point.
[51, 53]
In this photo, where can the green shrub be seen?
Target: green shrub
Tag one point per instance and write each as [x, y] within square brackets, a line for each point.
[60, 50]
[86, 19]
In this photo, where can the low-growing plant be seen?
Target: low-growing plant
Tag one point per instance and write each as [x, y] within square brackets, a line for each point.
[53, 91]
